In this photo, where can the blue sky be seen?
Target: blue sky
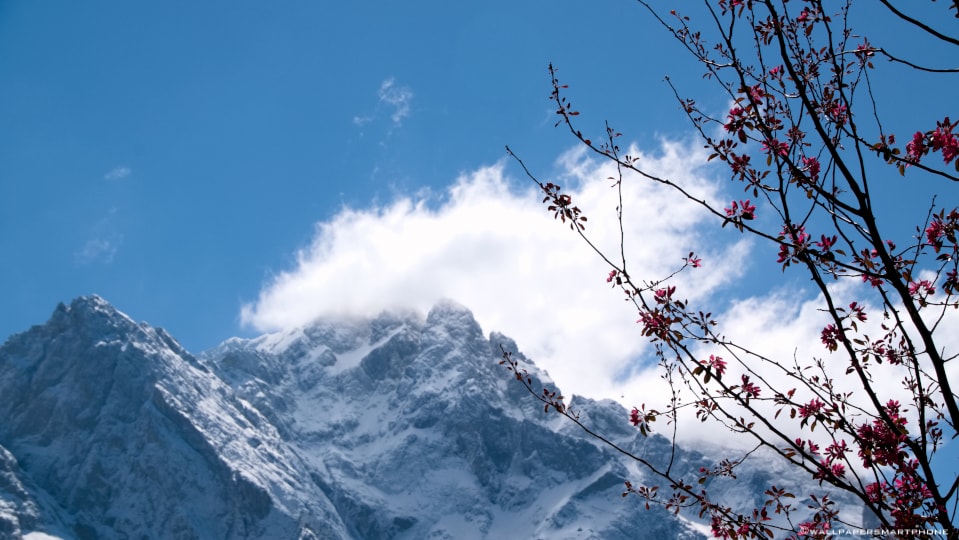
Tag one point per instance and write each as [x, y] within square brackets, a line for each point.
[225, 168]
[170, 158]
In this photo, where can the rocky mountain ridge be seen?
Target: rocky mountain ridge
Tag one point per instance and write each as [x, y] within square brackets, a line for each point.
[398, 426]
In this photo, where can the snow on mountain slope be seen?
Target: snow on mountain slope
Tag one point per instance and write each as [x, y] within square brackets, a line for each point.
[421, 434]
[131, 437]
[398, 426]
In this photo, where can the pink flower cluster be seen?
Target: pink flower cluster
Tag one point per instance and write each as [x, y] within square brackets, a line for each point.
[749, 389]
[799, 240]
[739, 164]
[879, 444]
[838, 112]
[831, 336]
[693, 260]
[774, 146]
[664, 295]
[921, 289]
[811, 409]
[908, 492]
[717, 364]
[654, 323]
[942, 228]
[736, 122]
[831, 465]
[811, 167]
[741, 210]
[856, 311]
[941, 139]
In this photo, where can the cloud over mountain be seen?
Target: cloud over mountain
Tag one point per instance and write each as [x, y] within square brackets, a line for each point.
[497, 249]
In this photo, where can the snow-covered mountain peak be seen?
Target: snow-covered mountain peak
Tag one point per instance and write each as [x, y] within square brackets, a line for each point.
[114, 426]
[396, 426]
[450, 311]
[91, 303]
[91, 314]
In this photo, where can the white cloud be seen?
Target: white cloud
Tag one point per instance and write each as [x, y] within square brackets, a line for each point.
[118, 172]
[785, 326]
[97, 251]
[360, 121]
[397, 97]
[499, 252]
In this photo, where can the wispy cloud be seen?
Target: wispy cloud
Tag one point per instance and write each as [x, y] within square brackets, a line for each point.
[103, 242]
[362, 120]
[498, 251]
[397, 97]
[118, 172]
[98, 251]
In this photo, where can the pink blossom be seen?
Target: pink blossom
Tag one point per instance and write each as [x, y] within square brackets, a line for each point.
[943, 140]
[774, 146]
[718, 530]
[641, 419]
[813, 447]
[796, 235]
[734, 117]
[812, 408]
[838, 112]
[814, 528]
[655, 323]
[716, 363]
[830, 337]
[921, 288]
[892, 407]
[874, 491]
[811, 166]
[934, 233]
[916, 148]
[665, 295]
[743, 210]
[826, 243]
[739, 164]
[750, 390]
[878, 443]
[795, 134]
[857, 311]
[836, 450]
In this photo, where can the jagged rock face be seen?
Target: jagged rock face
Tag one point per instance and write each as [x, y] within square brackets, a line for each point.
[419, 433]
[124, 434]
[393, 427]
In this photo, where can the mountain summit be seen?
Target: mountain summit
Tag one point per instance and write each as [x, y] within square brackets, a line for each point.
[112, 430]
[396, 426]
